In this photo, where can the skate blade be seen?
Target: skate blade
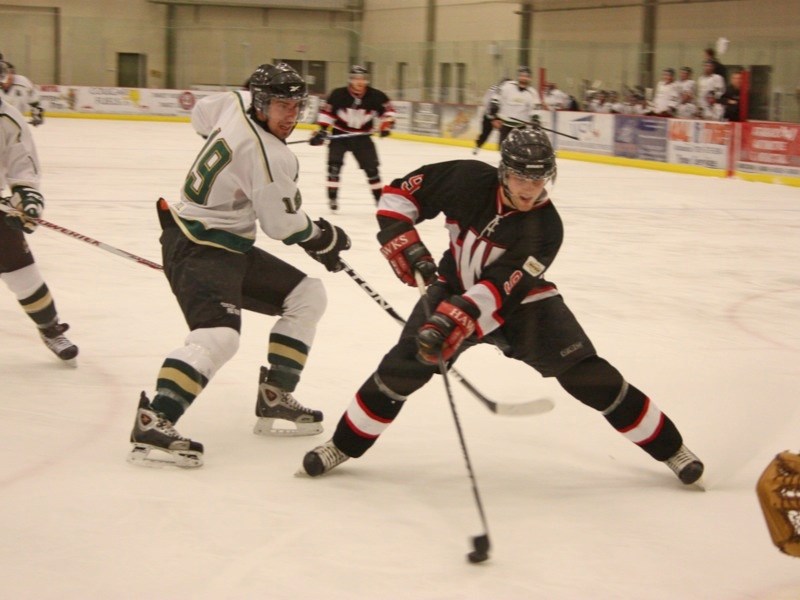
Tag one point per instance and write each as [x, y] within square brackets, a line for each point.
[140, 456]
[72, 363]
[266, 426]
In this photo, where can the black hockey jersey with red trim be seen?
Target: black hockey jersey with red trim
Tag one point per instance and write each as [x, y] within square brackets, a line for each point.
[497, 255]
[347, 112]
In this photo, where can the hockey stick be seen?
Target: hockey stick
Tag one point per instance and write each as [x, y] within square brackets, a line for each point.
[480, 543]
[85, 238]
[343, 136]
[531, 407]
[515, 122]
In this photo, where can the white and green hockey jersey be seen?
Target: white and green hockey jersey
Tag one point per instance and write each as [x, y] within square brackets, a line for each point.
[243, 175]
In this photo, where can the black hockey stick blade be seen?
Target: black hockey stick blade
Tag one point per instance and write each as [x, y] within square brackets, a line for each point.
[480, 549]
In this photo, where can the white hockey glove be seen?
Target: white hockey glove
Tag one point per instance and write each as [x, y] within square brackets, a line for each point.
[29, 204]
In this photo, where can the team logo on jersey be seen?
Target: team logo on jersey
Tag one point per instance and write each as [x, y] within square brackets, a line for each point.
[533, 267]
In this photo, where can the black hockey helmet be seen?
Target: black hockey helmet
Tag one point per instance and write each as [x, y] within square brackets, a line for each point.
[269, 82]
[524, 70]
[358, 70]
[527, 152]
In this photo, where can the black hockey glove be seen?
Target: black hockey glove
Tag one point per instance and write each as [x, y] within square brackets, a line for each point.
[318, 138]
[29, 204]
[401, 246]
[37, 115]
[445, 330]
[326, 247]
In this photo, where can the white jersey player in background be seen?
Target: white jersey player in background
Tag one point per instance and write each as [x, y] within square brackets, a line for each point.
[20, 92]
[245, 175]
[19, 171]
[517, 101]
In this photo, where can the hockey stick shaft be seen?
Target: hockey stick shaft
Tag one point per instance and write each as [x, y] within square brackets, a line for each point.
[537, 406]
[343, 136]
[87, 239]
[514, 122]
[443, 371]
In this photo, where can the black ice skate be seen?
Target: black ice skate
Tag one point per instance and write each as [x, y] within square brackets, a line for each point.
[274, 403]
[685, 464]
[53, 337]
[152, 431]
[322, 459]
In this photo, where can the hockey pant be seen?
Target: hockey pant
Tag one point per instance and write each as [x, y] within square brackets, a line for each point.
[363, 148]
[535, 334]
[212, 287]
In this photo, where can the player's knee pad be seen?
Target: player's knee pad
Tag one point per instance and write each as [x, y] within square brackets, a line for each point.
[23, 282]
[307, 302]
[207, 349]
[593, 381]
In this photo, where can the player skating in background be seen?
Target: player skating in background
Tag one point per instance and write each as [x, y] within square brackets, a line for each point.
[517, 101]
[19, 171]
[357, 107]
[21, 93]
[504, 233]
[490, 105]
[244, 175]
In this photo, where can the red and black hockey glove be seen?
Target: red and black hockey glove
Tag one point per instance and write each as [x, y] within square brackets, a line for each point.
[326, 247]
[386, 127]
[401, 246]
[446, 329]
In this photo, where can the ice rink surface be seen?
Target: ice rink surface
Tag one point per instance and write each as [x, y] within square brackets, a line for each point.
[689, 285]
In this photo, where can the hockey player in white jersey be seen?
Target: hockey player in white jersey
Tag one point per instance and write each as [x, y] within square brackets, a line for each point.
[244, 176]
[20, 92]
[19, 171]
[517, 101]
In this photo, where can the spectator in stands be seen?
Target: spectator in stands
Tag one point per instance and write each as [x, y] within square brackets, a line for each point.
[614, 104]
[712, 110]
[685, 81]
[598, 101]
[731, 99]
[686, 108]
[719, 68]
[556, 99]
[667, 95]
[709, 82]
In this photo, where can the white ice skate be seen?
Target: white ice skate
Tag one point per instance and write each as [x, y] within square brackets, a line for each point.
[55, 340]
[274, 404]
[152, 431]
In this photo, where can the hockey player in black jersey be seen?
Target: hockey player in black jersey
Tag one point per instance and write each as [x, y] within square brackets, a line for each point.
[504, 234]
[352, 109]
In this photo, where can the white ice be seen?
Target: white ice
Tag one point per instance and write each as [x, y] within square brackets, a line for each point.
[688, 284]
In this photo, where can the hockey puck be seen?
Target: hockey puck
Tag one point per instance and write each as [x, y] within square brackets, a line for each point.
[477, 557]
